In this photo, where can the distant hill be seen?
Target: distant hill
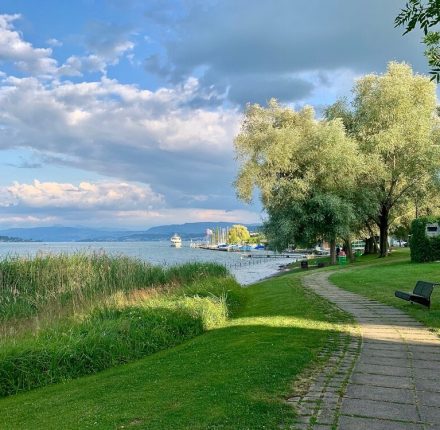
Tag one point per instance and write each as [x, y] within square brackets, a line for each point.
[10, 239]
[62, 234]
[195, 230]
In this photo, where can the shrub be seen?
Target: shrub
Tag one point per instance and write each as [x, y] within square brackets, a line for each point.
[423, 248]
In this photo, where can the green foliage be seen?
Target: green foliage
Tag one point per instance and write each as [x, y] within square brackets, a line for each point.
[64, 316]
[321, 217]
[257, 238]
[250, 363]
[296, 162]
[122, 326]
[424, 248]
[282, 149]
[393, 120]
[424, 14]
[238, 234]
[46, 283]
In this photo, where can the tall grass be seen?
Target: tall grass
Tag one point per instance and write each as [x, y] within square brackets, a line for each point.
[63, 316]
[34, 286]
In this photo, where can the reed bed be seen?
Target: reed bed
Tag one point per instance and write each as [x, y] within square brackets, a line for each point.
[69, 283]
[64, 316]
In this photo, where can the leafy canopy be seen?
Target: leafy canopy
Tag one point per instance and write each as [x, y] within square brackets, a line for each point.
[425, 15]
[238, 234]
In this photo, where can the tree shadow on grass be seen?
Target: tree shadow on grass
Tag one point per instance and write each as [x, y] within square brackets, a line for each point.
[229, 378]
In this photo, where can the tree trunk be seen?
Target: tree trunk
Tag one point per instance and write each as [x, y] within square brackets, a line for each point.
[347, 243]
[383, 229]
[370, 245]
[375, 246]
[367, 247]
[333, 252]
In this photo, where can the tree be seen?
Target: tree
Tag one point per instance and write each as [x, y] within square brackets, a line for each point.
[294, 160]
[238, 234]
[321, 217]
[425, 15]
[393, 119]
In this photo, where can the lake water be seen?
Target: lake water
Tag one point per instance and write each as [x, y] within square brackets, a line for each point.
[245, 270]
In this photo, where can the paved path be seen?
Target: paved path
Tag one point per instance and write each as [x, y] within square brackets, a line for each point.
[392, 375]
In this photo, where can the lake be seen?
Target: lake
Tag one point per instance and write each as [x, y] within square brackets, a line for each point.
[245, 270]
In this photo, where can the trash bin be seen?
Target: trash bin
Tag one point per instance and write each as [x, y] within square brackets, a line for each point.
[342, 260]
[304, 264]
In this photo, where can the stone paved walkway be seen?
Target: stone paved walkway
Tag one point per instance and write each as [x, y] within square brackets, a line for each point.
[392, 375]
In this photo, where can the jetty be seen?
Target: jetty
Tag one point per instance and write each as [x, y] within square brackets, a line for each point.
[261, 255]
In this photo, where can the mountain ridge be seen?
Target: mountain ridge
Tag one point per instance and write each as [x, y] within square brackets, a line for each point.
[194, 230]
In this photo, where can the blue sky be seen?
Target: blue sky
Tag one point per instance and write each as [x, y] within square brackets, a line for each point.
[123, 113]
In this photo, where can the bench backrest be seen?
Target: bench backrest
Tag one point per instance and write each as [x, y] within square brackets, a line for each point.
[424, 289]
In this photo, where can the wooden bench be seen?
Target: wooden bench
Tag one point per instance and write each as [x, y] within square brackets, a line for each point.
[421, 294]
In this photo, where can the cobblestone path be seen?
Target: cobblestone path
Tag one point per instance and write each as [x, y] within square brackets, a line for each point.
[386, 377]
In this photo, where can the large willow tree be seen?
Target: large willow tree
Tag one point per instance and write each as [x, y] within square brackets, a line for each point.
[393, 119]
[297, 163]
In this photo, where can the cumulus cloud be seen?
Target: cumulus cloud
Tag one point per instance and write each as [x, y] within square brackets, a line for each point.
[78, 65]
[110, 203]
[14, 49]
[121, 130]
[85, 196]
[105, 43]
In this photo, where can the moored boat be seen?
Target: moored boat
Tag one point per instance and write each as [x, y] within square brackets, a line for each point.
[176, 241]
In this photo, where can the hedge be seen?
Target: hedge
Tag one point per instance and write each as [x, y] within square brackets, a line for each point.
[424, 248]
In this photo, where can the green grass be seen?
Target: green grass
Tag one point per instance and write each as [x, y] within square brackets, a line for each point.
[381, 277]
[232, 377]
[49, 336]
[112, 335]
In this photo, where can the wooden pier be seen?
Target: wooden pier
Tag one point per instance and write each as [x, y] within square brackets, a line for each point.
[292, 256]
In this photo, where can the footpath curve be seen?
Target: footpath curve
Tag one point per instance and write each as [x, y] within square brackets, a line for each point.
[388, 378]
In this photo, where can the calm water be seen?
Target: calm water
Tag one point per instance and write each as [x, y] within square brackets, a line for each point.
[245, 270]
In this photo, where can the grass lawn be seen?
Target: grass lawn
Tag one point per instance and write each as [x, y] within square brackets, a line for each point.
[381, 277]
[234, 377]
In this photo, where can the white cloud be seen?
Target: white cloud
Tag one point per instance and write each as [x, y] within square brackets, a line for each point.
[77, 66]
[54, 42]
[36, 61]
[97, 204]
[79, 118]
[84, 196]
[26, 220]
[183, 215]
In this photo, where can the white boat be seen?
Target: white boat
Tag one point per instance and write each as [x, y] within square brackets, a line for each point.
[176, 241]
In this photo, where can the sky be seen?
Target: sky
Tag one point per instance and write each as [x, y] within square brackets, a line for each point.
[122, 113]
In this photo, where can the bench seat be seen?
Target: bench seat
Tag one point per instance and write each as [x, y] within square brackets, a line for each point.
[421, 294]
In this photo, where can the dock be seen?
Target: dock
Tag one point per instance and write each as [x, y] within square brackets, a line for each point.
[292, 256]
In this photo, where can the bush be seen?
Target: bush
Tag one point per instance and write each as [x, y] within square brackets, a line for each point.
[423, 248]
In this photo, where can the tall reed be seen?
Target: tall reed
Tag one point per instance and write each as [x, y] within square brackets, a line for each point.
[68, 283]
[63, 316]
